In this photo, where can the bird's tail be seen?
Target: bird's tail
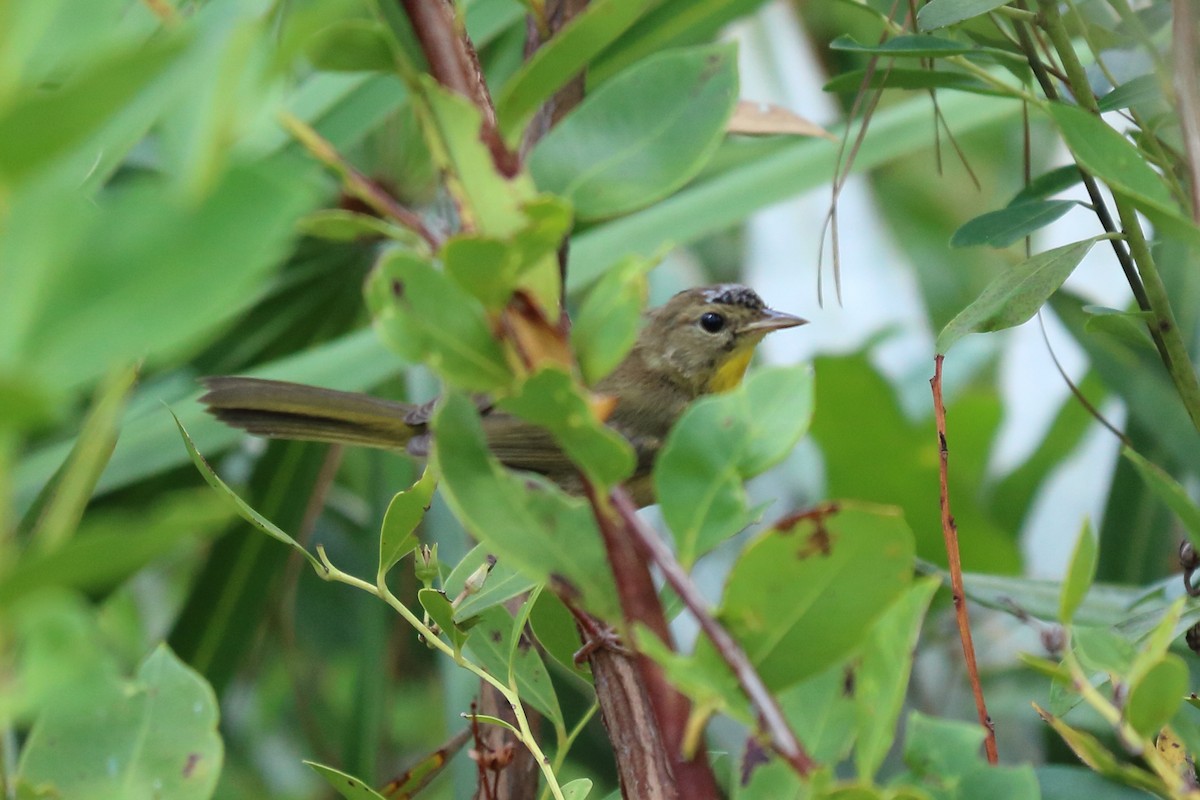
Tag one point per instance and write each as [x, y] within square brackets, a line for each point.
[281, 410]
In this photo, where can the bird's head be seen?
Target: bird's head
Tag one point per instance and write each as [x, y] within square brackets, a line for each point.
[705, 337]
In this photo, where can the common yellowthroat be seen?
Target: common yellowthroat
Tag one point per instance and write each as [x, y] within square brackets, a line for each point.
[698, 342]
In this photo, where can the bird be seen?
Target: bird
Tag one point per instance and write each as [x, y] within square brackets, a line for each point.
[699, 342]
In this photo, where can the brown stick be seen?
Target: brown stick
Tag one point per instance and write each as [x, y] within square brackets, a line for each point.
[455, 65]
[639, 603]
[950, 534]
[783, 740]
[628, 716]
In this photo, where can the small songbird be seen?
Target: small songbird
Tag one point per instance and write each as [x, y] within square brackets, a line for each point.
[698, 342]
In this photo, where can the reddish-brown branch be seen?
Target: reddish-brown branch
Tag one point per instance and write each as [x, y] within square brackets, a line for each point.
[640, 603]
[783, 740]
[950, 534]
[455, 65]
[626, 711]
[355, 183]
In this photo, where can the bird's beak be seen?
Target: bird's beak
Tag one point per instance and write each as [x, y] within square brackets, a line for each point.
[773, 320]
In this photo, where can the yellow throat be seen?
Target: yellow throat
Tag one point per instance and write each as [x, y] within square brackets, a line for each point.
[731, 372]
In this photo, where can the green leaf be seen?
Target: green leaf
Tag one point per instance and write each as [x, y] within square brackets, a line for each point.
[940, 13]
[1108, 155]
[703, 677]
[397, 537]
[577, 789]
[669, 24]
[348, 786]
[492, 268]
[1157, 695]
[58, 657]
[1080, 574]
[341, 225]
[821, 713]
[488, 202]
[111, 546]
[941, 748]
[77, 480]
[243, 509]
[825, 579]
[917, 46]
[149, 437]
[1004, 226]
[502, 583]
[39, 125]
[1017, 294]
[1062, 782]
[1142, 384]
[606, 326]
[492, 642]
[947, 754]
[353, 45]
[522, 520]
[759, 176]
[1170, 492]
[876, 429]
[1049, 183]
[556, 631]
[720, 442]
[1102, 650]
[109, 268]
[564, 56]
[642, 135]
[439, 609]
[1096, 756]
[1128, 326]
[154, 736]
[908, 78]
[424, 314]
[1133, 92]
[881, 679]
[552, 399]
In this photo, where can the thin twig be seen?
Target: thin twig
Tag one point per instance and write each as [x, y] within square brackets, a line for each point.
[1075, 390]
[950, 535]
[357, 184]
[783, 740]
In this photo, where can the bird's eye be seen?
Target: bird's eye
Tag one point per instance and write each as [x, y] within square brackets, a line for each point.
[711, 321]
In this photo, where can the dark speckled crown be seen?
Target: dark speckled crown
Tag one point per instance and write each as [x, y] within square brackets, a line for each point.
[732, 294]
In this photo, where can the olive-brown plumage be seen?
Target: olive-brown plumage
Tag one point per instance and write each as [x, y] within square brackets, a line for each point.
[698, 342]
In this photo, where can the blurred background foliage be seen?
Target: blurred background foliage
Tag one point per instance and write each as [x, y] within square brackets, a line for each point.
[155, 216]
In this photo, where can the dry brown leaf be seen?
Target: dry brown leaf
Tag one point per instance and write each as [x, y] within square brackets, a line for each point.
[764, 119]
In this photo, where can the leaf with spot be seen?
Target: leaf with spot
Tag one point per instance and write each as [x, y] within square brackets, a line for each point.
[805, 594]
[426, 316]
[502, 583]
[491, 643]
[153, 736]
[348, 786]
